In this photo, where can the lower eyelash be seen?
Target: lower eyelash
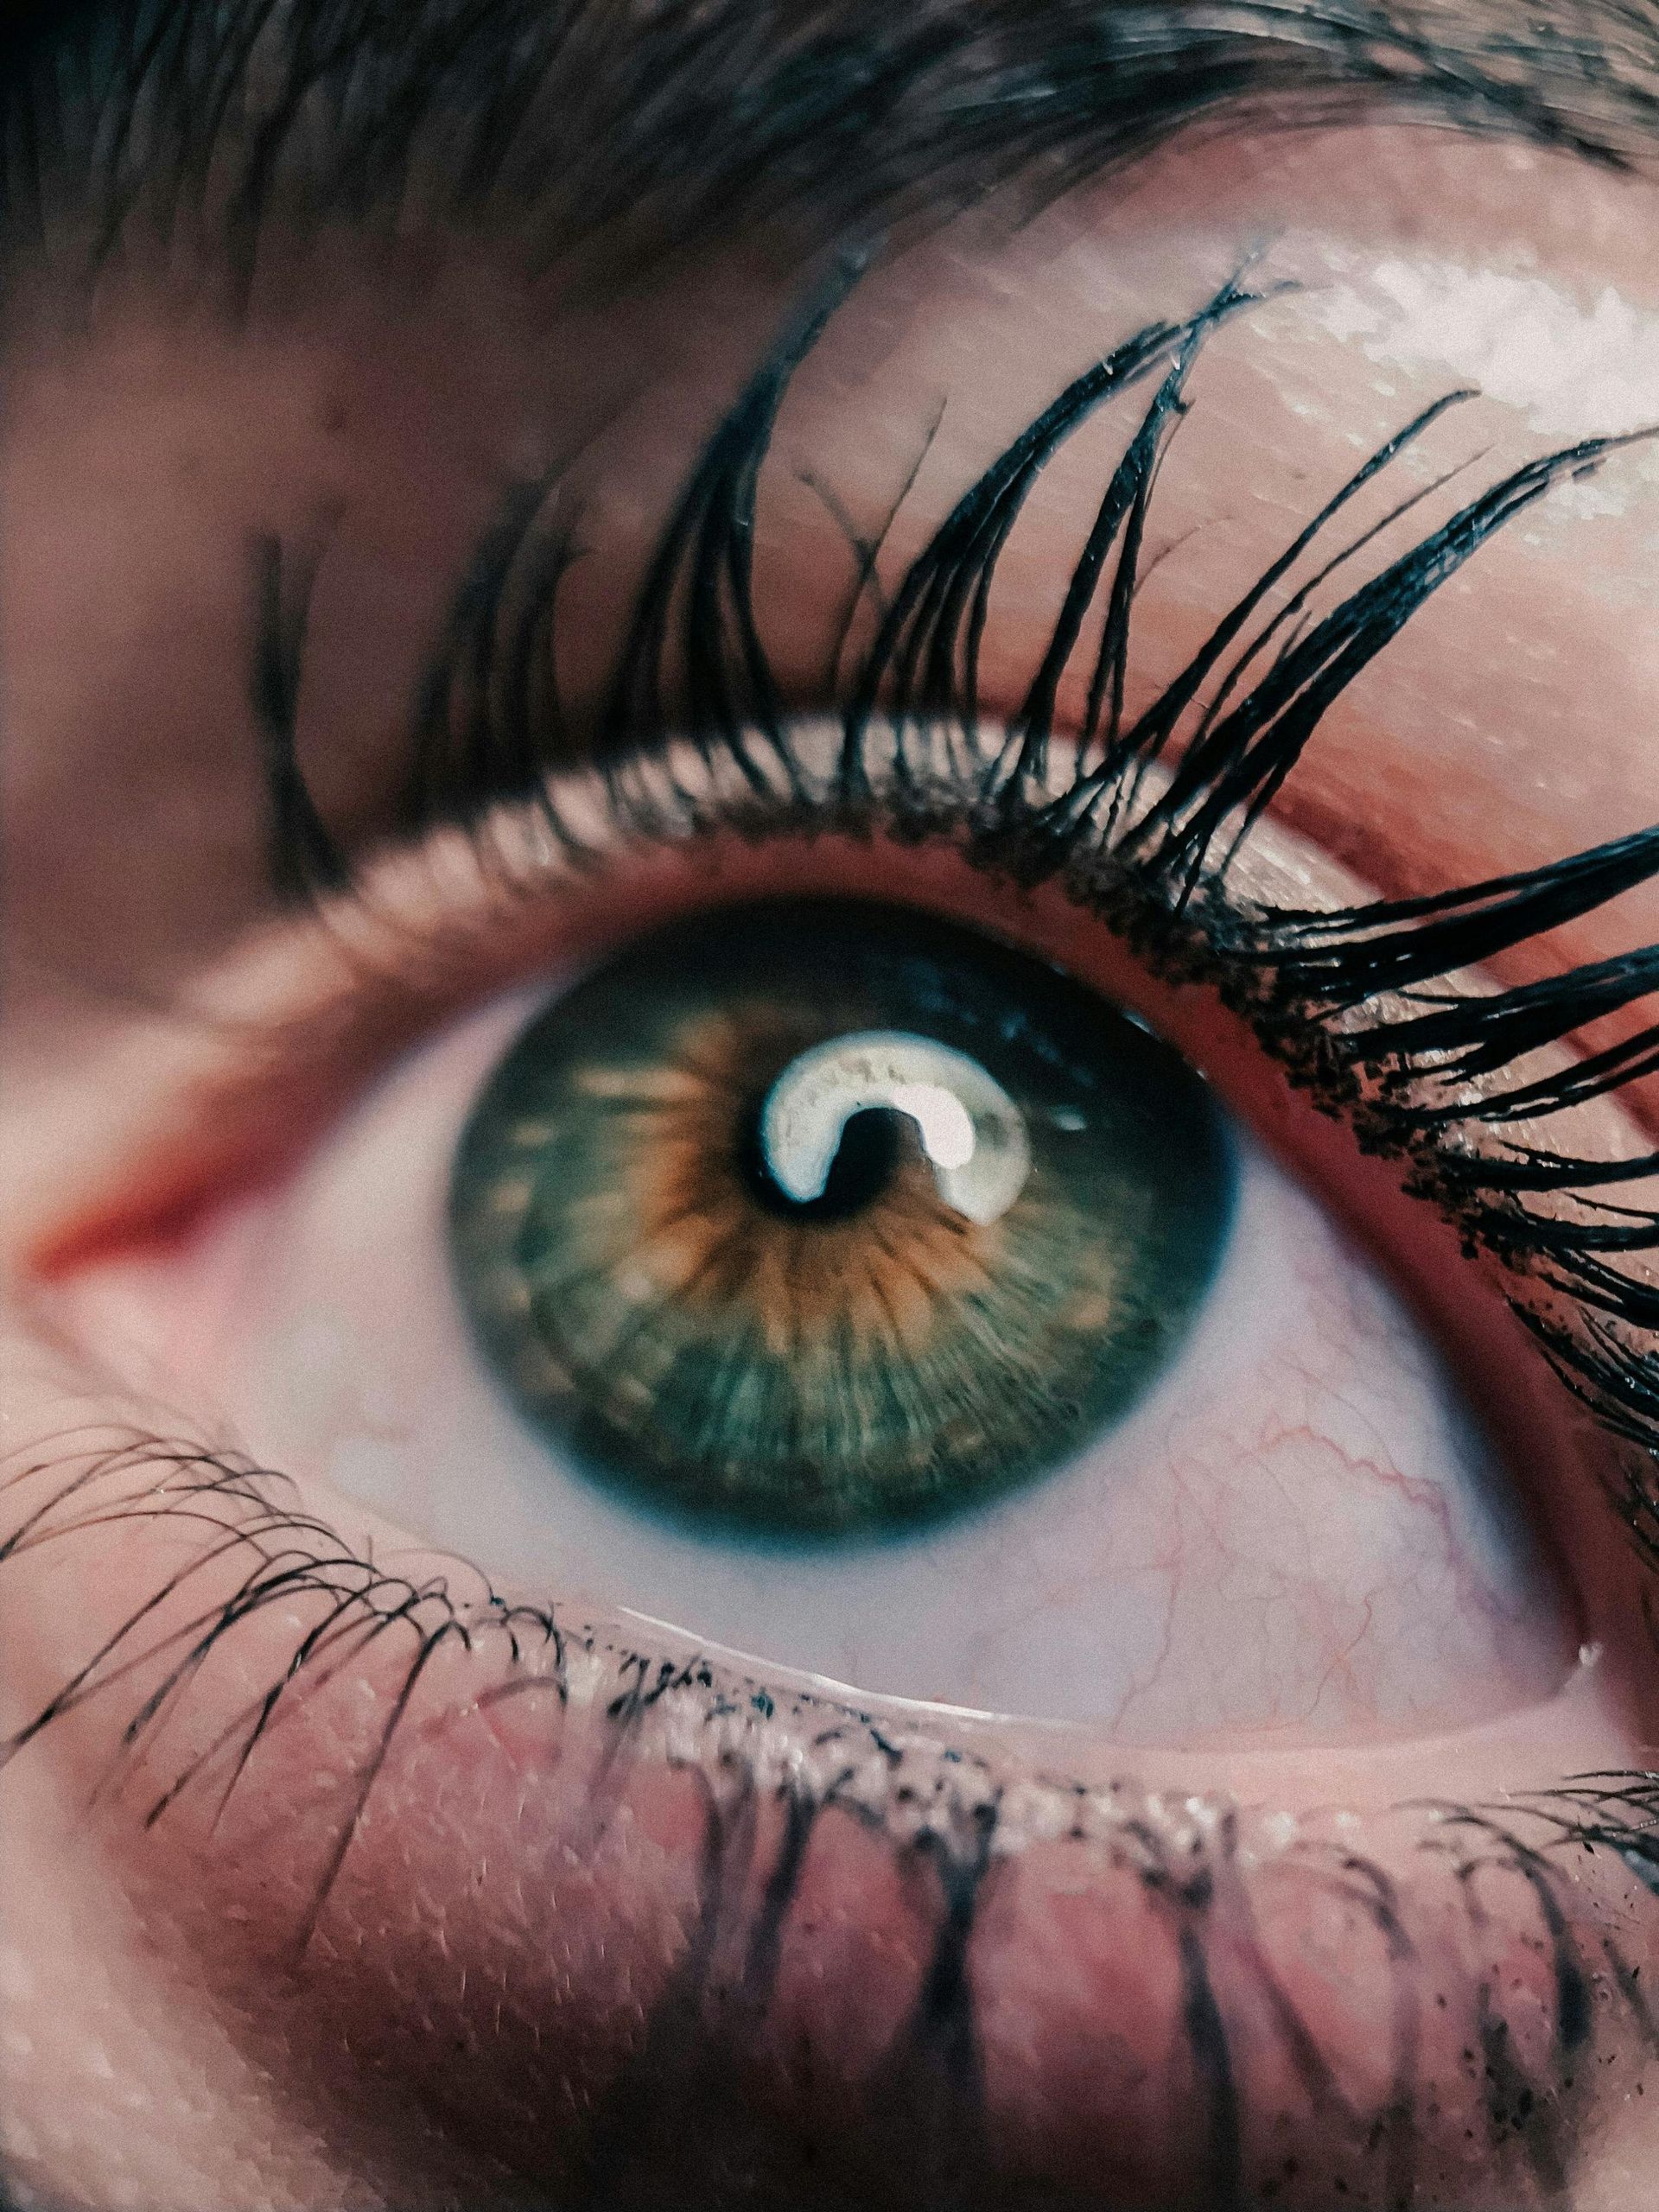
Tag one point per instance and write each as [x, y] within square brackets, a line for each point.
[948, 1818]
[247, 1512]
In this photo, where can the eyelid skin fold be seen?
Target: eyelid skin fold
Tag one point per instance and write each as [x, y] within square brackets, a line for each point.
[1154, 805]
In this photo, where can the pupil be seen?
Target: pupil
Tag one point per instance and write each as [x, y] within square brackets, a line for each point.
[867, 1159]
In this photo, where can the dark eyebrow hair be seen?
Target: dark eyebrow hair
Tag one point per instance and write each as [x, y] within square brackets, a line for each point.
[573, 121]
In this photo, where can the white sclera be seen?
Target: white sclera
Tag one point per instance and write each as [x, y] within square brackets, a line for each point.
[1300, 1530]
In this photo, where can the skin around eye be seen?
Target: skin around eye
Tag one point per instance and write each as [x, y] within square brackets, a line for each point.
[730, 1904]
[1281, 1519]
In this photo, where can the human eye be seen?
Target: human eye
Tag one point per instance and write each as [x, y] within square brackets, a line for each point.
[864, 1412]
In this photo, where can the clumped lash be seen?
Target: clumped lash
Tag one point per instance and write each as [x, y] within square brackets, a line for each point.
[1365, 1006]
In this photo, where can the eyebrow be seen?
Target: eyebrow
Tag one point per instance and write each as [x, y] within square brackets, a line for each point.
[575, 124]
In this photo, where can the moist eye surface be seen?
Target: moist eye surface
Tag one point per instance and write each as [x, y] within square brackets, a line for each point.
[813, 1219]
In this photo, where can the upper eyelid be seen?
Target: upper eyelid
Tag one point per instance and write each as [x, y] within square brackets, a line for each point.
[488, 720]
[284, 1031]
[258, 1054]
[1143, 815]
[695, 619]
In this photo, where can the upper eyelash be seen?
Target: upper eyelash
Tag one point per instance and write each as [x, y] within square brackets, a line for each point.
[1361, 1005]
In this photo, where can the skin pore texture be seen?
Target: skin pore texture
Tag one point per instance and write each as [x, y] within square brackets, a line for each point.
[612, 1916]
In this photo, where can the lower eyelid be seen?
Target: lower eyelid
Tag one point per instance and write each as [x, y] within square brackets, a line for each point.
[400, 1426]
[558, 1901]
[1531, 1418]
[698, 1898]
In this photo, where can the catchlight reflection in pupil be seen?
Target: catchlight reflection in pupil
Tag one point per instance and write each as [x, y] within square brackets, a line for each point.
[816, 1220]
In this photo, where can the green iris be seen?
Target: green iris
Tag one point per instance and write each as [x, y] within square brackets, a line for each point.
[822, 1218]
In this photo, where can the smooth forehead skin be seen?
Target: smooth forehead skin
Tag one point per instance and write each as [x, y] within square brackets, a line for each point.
[267, 263]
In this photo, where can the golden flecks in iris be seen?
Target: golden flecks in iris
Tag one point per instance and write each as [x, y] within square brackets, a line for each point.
[677, 1331]
[893, 1342]
[699, 1234]
[511, 1195]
